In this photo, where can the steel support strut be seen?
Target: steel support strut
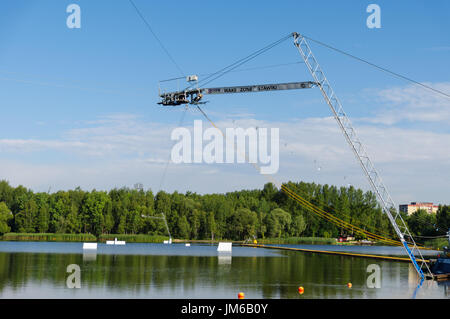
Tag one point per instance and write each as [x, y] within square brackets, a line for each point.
[358, 149]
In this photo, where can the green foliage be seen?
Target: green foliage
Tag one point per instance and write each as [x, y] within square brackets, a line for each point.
[326, 234]
[421, 223]
[242, 224]
[183, 227]
[5, 217]
[425, 225]
[298, 225]
[443, 218]
[277, 222]
[437, 243]
[237, 215]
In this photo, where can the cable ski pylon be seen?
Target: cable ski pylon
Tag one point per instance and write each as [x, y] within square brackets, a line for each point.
[387, 204]
[193, 95]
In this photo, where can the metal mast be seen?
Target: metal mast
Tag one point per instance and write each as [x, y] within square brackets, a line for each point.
[357, 147]
[167, 226]
[165, 223]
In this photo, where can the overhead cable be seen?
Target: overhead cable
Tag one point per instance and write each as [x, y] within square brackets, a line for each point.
[378, 67]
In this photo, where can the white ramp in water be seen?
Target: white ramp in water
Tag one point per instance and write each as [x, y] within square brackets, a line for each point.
[224, 247]
[89, 245]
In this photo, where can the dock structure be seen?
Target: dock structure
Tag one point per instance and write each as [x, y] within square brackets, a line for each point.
[339, 253]
[439, 277]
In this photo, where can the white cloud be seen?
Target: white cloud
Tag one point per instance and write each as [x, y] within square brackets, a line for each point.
[110, 137]
[414, 104]
[121, 150]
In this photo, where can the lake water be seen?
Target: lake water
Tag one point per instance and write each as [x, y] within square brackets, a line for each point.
[39, 270]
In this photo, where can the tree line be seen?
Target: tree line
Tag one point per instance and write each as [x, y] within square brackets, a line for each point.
[261, 213]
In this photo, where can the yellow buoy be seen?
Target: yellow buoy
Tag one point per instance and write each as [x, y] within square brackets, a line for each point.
[301, 290]
[349, 285]
[241, 295]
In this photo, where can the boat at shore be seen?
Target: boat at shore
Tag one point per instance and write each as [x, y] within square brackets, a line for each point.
[440, 268]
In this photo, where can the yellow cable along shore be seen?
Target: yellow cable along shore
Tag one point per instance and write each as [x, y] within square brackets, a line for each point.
[391, 258]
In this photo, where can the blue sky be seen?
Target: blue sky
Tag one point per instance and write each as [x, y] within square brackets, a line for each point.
[79, 105]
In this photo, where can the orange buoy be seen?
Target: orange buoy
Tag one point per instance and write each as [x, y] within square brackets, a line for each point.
[241, 295]
[301, 290]
[349, 285]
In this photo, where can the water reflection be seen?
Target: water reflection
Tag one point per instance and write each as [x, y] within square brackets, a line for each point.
[43, 275]
[446, 286]
[418, 288]
[89, 256]
[224, 259]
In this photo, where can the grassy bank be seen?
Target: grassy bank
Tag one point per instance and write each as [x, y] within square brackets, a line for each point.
[298, 241]
[48, 237]
[437, 243]
[141, 238]
[82, 237]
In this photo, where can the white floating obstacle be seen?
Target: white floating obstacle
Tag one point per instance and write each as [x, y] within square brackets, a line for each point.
[115, 242]
[89, 245]
[224, 247]
[168, 241]
[119, 242]
[188, 245]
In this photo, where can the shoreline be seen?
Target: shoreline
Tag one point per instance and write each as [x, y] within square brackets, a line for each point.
[142, 238]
